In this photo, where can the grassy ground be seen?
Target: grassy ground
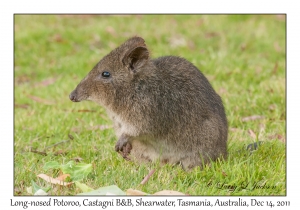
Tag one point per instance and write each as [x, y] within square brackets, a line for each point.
[242, 56]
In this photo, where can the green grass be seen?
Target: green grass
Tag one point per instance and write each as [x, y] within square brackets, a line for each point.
[243, 56]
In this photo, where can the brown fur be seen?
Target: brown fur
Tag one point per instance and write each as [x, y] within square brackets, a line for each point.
[162, 108]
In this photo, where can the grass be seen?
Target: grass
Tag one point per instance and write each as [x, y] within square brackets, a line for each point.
[243, 56]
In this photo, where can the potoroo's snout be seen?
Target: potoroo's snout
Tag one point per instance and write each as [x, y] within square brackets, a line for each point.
[73, 96]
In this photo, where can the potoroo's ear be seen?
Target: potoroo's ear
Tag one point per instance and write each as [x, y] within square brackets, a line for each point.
[136, 58]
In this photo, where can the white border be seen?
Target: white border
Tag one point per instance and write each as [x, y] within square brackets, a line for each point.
[154, 6]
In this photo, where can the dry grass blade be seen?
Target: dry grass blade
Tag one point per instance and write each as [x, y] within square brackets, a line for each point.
[63, 177]
[223, 173]
[54, 145]
[145, 180]
[251, 133]
[272, 107]
[77, 159]
[86, 110]
[211, 34]
[38, 152]
[275, 68]
[253, 117]
[70, 136]
[277, 136]
[235, 129]
[53, 180]
[23, 106]
[60, 152]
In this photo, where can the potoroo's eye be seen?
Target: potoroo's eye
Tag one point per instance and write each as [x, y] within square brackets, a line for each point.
[105, 74]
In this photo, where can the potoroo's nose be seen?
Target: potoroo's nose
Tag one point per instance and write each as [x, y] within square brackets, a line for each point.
[73, 95]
